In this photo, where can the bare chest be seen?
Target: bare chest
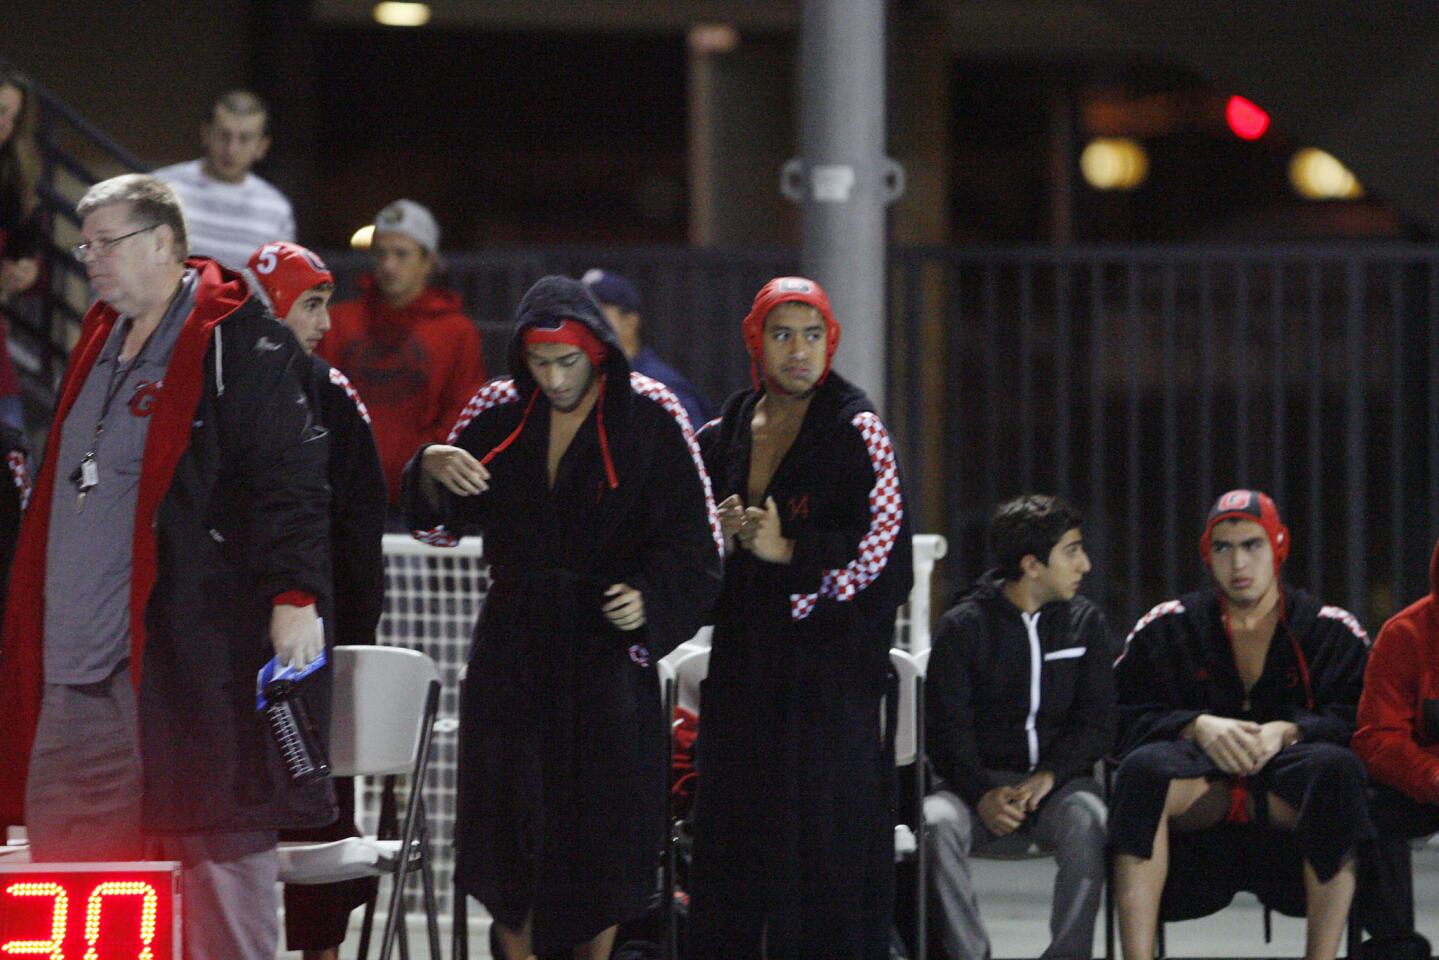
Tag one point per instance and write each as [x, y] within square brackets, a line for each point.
[770, 440]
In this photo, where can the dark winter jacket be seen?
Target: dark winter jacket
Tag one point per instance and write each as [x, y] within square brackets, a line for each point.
[1398, 735]
[793, 812]
[357, 506]
[1010, 691]
[563, 746]
[232, 512]
[1178, 664]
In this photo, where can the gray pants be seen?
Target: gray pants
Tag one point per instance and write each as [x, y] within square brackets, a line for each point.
[82, 802]
[1070, 823]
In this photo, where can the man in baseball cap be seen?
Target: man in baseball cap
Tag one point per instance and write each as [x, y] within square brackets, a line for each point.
[298, 286]
[408, 346]
[1236, 705]
[621, 302]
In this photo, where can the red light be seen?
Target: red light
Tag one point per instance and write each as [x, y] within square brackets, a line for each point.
[1245, 118]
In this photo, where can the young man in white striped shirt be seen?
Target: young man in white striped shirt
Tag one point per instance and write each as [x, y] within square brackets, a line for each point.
[229, 210]
[1019, 705]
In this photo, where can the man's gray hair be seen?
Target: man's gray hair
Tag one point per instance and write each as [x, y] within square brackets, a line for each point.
[154, 200]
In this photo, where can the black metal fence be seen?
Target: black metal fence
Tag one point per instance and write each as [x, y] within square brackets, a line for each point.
[1140, 382]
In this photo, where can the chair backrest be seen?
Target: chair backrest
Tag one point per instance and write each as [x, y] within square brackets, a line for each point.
[906, 727]
[378, 720]
[689, 670]
[921, 660]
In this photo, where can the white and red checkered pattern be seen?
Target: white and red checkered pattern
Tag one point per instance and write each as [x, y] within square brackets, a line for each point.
[713, 423]
[1164, 609]
[20, 475]
[886, 511]
[1346, 618]
[343, 382]
[492, 394]
[658, 392]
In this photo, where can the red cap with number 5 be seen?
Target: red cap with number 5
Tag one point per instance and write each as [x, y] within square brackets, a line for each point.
[282, 271]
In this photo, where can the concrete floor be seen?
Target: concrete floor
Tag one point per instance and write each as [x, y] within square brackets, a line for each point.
[1014, 899]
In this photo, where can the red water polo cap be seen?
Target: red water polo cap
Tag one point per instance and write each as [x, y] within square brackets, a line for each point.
[788, 290]
[286, 270]
[571, 333]
[1248, 505]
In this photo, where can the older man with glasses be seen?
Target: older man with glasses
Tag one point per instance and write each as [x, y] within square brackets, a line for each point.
[176, 539]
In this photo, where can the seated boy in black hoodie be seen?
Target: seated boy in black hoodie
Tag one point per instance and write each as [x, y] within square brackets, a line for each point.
[1019, 702]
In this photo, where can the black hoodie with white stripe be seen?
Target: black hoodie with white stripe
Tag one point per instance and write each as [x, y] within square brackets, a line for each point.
[1007, 690]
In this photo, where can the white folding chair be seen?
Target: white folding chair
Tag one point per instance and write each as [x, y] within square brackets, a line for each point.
[688, 671]
[909, 752]
[381, 725]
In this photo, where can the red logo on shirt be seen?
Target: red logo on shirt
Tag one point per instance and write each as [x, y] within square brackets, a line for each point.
[799, 507]
[142, 402]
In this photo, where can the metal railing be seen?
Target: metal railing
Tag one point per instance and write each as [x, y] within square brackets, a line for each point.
[43, 324]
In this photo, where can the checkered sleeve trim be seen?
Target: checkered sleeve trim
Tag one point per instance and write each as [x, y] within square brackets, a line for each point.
[343, 382]
[493, 394]
[1348, 619]
[658, 392]
[1162, 610]
[20, 476]
[886, 511]
[496, 393]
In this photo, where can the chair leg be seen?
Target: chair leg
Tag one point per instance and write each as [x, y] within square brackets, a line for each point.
[432, 909]
[394, 919]
[366, 926]
[460, 924]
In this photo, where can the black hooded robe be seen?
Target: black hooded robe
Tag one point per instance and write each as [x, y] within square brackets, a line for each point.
[794, 806]
[1178, 664]
[563, 765]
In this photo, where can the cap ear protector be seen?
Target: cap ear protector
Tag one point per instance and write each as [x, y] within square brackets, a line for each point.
[1247, 505]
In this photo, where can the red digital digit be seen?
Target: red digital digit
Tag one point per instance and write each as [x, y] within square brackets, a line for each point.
[59, 914]
[121, 888]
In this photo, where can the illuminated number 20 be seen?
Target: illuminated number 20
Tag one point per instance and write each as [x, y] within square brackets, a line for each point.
[117, 888]
[58, 915]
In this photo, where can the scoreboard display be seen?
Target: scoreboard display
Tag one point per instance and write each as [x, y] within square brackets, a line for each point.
[90, 911]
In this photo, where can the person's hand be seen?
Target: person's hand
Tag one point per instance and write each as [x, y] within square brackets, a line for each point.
[296, 634]
[1233, 745]
[460, 473]
[17, 276]
[627, 610]
[760, 534]
[1033, 789]
[731, 518]
[1001, 811]
[1273, 737]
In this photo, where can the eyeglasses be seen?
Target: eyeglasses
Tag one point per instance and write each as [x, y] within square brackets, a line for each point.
[102, 248]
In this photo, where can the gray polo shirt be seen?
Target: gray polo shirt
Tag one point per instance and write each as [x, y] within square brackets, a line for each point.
[89, 552]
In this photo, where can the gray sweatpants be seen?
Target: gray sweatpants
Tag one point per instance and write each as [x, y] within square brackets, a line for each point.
[82, 802]
[1070, 823]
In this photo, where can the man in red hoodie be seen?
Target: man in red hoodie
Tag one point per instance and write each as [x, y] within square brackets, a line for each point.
[1398, 740]
[407, 347]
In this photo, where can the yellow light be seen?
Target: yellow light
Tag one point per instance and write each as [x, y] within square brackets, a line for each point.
[58, 914]
[395, 14]
[117, 888]
[1317, 175]
[1114, 163]
[363, 237]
